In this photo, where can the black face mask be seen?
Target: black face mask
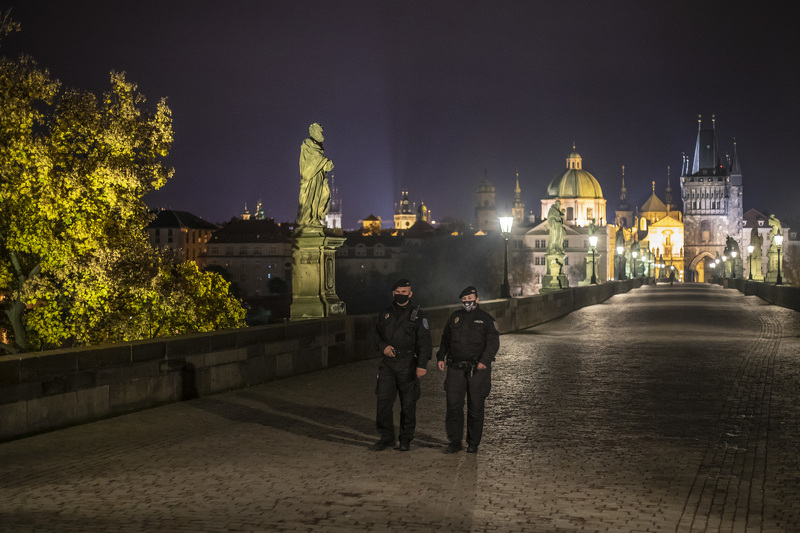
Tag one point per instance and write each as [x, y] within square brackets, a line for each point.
[401, 299]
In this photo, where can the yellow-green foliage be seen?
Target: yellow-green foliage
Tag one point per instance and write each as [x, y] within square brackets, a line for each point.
[73, 171]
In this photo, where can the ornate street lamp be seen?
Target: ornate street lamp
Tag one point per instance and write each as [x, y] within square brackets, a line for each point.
[634, 254]
[724, 265]
[750, 249]
[593, 244]
[778, 243]
[505, 229]
[620, 262]
[733, 264]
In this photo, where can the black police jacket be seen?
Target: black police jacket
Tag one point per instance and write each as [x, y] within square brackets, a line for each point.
[470, 336]
[406, 329]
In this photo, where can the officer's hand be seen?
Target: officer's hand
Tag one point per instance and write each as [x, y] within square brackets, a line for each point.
[481, 366]
[388, 351]
[421, 372]
[441, 365]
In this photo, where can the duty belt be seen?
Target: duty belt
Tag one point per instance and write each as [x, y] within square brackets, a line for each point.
[403, 353]
[462, 365]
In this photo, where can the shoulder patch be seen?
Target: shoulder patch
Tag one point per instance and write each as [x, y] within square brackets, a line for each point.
[425, 323]
[386, 315]
[456, 320]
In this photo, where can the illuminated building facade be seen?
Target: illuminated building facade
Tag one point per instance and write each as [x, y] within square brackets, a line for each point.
[181, 231]
[253, 252]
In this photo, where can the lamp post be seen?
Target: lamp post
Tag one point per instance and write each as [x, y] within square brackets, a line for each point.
[593, 244]
[750, 249]
[778, 243]
[620, 259]
[505, 229]
[733, 264]
[724, 265]
[634, 254]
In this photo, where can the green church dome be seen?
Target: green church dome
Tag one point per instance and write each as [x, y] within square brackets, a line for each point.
[574, 182]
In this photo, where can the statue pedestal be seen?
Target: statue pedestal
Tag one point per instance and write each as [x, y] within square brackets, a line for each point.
[588, 279]
[755, 269]
[772, 266]
[554, 280]
[314, 274]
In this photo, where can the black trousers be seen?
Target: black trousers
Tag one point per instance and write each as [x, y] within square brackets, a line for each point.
[476, 387]
[397, 376]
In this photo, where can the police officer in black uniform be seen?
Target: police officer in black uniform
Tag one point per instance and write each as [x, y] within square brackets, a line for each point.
[403, 336]
[469, 343]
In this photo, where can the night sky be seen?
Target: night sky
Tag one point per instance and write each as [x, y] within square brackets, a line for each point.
[430, 95]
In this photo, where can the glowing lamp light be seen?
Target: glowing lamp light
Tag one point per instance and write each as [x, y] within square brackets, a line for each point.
[778, 240]
[620, 249]
[750, 248]
[733, 254]
[505, 224]
[593, 240]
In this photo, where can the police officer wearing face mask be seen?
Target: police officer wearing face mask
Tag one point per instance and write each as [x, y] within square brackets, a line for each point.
[469, 343]
[403, 336]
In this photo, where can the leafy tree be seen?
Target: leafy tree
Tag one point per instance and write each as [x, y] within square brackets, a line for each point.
[75, 267]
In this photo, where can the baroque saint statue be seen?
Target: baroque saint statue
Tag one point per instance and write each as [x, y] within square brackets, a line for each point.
[315, 194]
[555, 225]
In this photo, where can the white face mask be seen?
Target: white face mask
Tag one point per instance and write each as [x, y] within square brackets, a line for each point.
[469, 306]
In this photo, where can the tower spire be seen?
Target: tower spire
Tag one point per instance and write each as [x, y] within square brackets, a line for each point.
[623, 193]
[668, 193]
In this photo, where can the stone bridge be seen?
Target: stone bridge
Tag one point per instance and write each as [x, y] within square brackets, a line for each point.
[662, 409]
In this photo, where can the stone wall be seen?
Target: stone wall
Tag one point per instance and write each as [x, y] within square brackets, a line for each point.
[782, 295]
[46, 390]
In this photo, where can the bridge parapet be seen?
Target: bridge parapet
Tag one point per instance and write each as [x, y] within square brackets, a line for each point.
[47, 390]
[781, 295]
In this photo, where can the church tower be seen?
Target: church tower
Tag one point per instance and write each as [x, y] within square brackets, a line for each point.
[404, 216]
[518, 211]
[485, 211]
[334, 217]
[623, 216]
[712, 203]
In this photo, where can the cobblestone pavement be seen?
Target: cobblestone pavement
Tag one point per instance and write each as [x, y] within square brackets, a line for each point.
[664, 409]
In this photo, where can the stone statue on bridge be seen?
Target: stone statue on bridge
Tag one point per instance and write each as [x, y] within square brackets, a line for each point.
[314, 246]
[774, 229]
[757, 242]
[555, 225]
[315, 194]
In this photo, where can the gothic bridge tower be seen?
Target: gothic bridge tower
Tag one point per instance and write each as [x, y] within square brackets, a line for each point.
[712, 203]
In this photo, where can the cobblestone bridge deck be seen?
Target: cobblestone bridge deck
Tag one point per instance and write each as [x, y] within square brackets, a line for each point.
[664, 409]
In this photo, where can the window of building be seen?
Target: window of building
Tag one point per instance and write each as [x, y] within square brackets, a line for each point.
[566, 260]
[169, 235]
[214, 250]
[565, 244]
[157, 234]
[229, 250]
[257, 250]
[570, 213]
[361, 250]
[380, 250]
[243, 250]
